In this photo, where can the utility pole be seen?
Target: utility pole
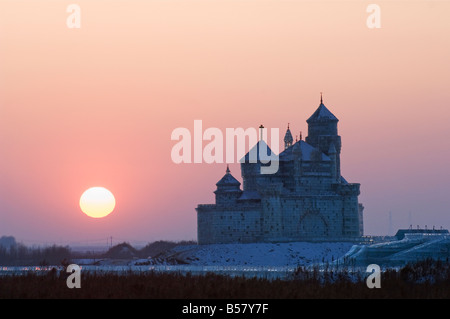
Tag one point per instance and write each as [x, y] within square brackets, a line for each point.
[410, 219]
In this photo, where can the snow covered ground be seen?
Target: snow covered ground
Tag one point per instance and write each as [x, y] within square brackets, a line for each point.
[412, 248]
[267, 260]
[260, 254]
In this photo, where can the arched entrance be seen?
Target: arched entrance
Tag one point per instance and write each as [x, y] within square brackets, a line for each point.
[312, 224]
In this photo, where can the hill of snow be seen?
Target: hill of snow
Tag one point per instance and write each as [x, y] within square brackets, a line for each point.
[260, 254]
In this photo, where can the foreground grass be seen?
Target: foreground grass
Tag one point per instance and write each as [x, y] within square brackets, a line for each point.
[422, 280]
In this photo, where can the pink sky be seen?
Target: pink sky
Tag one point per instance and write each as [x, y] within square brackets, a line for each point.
[96, 106]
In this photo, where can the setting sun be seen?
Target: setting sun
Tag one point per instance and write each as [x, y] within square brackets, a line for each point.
[97, 202]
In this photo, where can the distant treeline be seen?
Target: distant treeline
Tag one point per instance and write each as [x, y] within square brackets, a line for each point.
[425, 279]
[17, 254]
[21, 255]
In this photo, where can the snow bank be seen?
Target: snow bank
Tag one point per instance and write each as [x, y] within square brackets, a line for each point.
[260, 254]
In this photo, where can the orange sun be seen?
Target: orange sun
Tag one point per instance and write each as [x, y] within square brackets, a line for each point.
[97, 202]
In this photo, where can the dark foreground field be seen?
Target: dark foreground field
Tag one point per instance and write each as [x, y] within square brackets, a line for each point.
[426, 279]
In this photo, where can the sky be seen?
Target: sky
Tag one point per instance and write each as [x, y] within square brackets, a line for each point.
[95, 105]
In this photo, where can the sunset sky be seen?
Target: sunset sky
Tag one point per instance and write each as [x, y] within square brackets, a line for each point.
[96, 106]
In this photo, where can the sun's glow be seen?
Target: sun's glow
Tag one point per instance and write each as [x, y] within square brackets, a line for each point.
[97, 202]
